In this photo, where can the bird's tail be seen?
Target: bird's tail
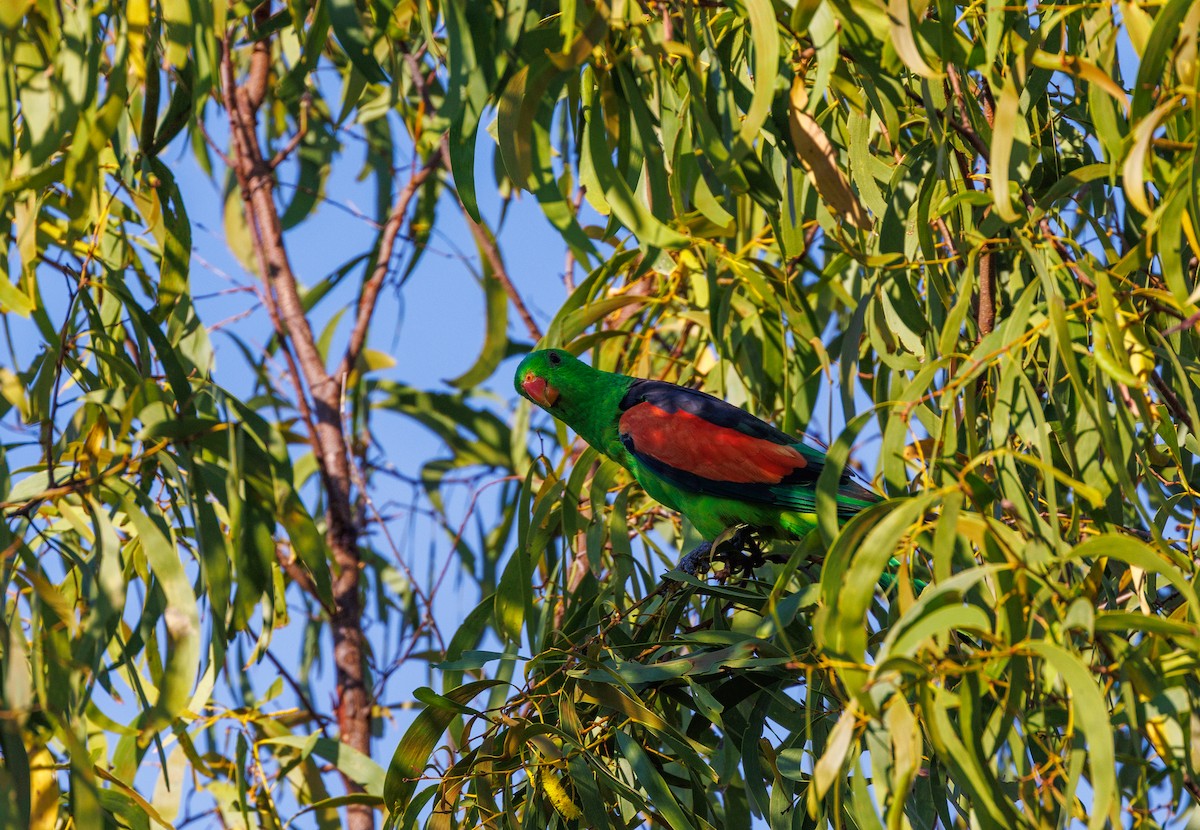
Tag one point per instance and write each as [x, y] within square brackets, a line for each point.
[888, 578]
[853, 497]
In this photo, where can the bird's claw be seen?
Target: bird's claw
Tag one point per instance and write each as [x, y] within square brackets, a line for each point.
[736, 548]
[696, 560]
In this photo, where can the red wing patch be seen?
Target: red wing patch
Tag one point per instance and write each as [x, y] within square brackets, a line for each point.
[693, 445]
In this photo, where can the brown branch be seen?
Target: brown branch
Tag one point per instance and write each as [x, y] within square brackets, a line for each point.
[486, 243]
[260, 61]
[309, 377]
[948, 240]
[293, 142]
[1059, 247]
[212, 145]
[293, 371]
[987, 102]
[359, 476]
[964, 168]
[961, 124]
[320, 719]
[387, 240]
[963, 127]
[1172, 400]
[986, 316]
[47, 426]
[985, 309]
[1183, 324]
[257, 188]
[295, 571]
[569, 265]
[26, 508]
[413, 62]
[487, 246]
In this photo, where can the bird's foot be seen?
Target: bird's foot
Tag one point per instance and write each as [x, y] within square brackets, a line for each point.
[743, 545]
[697, 559]
[736, 548]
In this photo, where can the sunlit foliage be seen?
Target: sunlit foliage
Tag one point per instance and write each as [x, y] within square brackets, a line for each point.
[977, 223]
[958, 241]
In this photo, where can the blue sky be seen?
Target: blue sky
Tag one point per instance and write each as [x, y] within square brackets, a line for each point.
[433, 327]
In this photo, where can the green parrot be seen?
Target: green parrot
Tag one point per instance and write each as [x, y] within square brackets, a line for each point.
[716, 464]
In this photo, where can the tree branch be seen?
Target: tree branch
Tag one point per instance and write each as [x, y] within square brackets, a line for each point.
[387, 240]
[985, 309]
[310, 379]
[962, 124]
[1172, 400]
[986, 315]
[487, 246]
[260, 61]
[293, 142]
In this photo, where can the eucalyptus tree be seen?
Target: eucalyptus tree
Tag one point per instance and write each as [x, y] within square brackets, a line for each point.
[158, 528]
[957, 239]
[961, 238]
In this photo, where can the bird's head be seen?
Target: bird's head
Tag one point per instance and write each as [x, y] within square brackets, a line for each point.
[582, 397]
[543, 375]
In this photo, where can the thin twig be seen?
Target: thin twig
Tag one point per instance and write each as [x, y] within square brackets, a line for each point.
[212, 145]
[320, 719]
[387, 240]
[986, 316]
[26, 508]
[948, 240]
[357, 472]
[1172, 400]
[292, 144]
[963, 128]
[489, 249]
[1183, 324]
[59, 360]
[463, 529]
[576, 203]
[486, 243]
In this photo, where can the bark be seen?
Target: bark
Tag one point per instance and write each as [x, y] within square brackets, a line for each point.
[986, 317]
[318, 396]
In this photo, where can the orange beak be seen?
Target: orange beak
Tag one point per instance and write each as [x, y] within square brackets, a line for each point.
[540, 392]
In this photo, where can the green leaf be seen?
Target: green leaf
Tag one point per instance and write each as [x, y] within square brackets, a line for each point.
[660, 799]
[851, 575]
[346, 759]
[495, 343]
[354, 40]
[1133, 172]
[764, 33]
[181, 615]
[617, 193]
[1091, 717]
[1138, 554]
[413, 751]
[1000, 174]
[904, 41]
[837, 749]
[1162, 39]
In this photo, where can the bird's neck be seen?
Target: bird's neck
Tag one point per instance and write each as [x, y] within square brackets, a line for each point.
[596, 423]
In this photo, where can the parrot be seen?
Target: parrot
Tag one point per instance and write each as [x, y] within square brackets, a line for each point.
[721, 467]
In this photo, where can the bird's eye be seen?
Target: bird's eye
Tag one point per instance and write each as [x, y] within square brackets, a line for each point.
[554, 358]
